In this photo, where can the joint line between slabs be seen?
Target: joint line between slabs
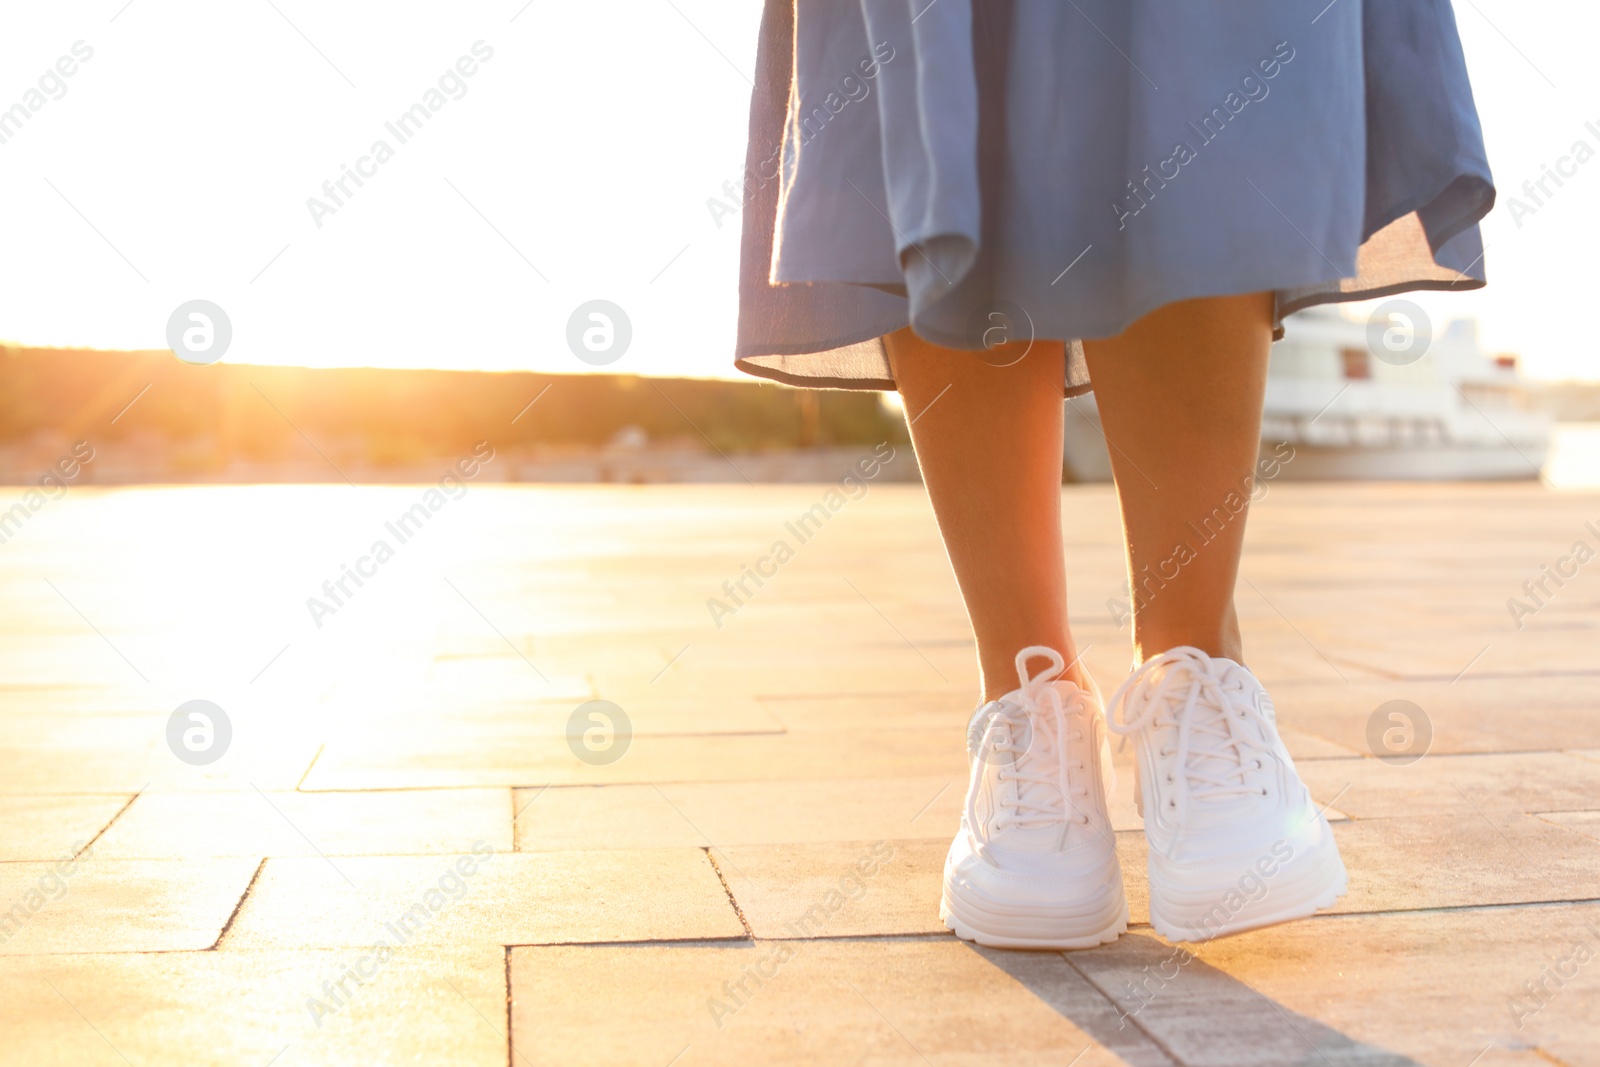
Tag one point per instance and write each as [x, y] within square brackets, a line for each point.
[110, 822]
[237, 908]
[303, 835]
[733, 901]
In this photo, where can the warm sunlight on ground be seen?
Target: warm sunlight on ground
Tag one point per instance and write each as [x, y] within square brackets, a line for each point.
[764, 753]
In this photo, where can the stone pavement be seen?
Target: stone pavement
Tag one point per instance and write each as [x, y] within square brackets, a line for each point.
[385, 840]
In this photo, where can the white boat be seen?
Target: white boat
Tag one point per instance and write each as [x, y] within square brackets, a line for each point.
[1352, 412]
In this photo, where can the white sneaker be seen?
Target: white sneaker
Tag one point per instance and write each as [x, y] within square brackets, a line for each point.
[1035, 862]
[1236, 841]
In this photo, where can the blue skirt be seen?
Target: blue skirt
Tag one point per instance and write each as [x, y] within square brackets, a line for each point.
[992, 170]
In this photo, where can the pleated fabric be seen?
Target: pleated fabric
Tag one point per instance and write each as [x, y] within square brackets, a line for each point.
[989, 170]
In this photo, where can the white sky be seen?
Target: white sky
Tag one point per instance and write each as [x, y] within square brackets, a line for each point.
[584, 150]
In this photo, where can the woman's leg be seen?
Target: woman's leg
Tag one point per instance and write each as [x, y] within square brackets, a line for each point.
[1180, 395]
[988, 440]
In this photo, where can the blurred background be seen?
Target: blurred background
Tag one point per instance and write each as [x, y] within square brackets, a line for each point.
[217, 152]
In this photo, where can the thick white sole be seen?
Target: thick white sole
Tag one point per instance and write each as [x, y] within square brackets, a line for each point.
[998, 925]
[1316, 881]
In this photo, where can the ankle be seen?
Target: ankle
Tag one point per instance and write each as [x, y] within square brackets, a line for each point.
[1216, 633]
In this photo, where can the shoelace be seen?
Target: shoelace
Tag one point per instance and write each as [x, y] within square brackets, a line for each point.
[1193, 698]
[1039, 705]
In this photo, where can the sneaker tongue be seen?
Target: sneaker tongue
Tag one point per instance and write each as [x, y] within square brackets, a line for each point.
[1038, 803]
[1034, 752]
[1209, 733]
[1211, 765]
[1039, 759]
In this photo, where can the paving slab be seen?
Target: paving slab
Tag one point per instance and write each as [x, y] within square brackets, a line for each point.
[1583, 822]
[918, 662]
[882, 1001]
[1204, 1017]
[81, 657]
[1434, 861]
[530, 724]
[1445, 785]
[1444, 861]
[224, 1009]
[879, 708]
[1441, 987]
[424, 762]
[485, 897]
[287, 823]
[837, 889]
[72, 700]
[1475, 713]
[98, 905]
[50, 828]
[45, 754]
[1303, 745]
[1495, 648]
[737, 813]
[510, 676]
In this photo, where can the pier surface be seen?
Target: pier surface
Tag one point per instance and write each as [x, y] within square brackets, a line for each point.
[401, 829]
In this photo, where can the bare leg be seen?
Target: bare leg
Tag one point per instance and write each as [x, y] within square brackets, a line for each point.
[1180, 395]
[988, 440]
